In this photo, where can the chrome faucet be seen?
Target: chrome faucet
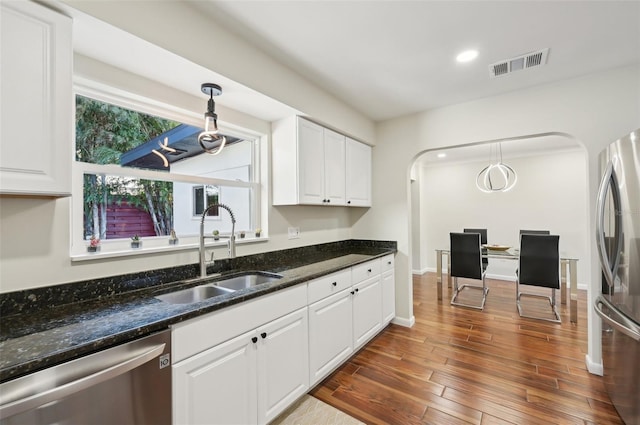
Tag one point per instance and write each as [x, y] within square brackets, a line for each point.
[232, 239]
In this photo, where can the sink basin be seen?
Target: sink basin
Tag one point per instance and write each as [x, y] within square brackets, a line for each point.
[247, 280]
[216, 288]
[193, 295]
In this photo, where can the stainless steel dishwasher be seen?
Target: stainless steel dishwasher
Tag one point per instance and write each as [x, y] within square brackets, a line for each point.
[126, 384]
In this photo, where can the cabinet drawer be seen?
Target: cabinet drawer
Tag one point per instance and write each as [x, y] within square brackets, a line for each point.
[386, 263]
[365, 271]
[328, 285]
[201, 333]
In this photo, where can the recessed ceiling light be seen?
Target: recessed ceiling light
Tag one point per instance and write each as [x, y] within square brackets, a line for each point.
[442, 155]
[467, 56]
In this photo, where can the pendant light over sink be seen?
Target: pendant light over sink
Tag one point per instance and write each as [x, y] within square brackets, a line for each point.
[209, 139]
[497, 176]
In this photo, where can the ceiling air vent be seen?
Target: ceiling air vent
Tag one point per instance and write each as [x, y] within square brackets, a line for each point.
[518, 63]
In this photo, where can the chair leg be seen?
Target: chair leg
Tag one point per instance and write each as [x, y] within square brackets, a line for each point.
[551, 299]
[457, 290]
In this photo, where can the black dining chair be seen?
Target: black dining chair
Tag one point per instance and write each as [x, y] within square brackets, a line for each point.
[466, 262]
[535, 232]
[539, 265]
[483, 241]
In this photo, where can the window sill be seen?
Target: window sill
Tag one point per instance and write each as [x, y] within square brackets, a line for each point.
[154, 249]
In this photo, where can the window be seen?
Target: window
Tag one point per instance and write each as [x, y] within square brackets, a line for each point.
[203, 196]
[131, 184]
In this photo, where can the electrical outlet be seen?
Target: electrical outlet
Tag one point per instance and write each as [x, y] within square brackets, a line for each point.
[294, 232]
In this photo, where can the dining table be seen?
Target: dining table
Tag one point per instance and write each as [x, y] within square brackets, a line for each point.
[568, 267]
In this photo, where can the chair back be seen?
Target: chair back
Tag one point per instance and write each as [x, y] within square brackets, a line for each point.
[539, 263]
[466, 259]
[483, 240]
[535, 232]
[483, 234]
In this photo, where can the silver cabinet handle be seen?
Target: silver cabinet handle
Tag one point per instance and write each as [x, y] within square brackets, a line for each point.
[627, 327]
[36, 400]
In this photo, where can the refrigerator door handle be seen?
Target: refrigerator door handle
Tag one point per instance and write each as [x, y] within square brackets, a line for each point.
[627, 327]
[609, 179]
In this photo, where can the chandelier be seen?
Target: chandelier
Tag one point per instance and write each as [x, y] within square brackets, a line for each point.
[497, 176]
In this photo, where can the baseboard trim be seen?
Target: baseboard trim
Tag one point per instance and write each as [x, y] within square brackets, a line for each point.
[507, 278]
[401, 321]
[593, 367]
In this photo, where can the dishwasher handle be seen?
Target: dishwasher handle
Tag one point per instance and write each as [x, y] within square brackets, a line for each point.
[627, 327]
[36, 400]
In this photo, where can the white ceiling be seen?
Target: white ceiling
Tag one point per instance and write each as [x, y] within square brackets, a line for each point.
[391, 58]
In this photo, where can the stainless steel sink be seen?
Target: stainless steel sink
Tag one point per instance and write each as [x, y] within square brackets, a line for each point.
[218, 287]
[193, 295]
[248, 280]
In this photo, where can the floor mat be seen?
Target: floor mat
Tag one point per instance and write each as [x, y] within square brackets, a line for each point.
[311, 411]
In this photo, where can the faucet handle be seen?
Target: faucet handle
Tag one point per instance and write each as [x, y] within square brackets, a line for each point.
[212, 260]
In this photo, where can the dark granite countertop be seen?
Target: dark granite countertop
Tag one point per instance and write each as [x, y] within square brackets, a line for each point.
[44, 327]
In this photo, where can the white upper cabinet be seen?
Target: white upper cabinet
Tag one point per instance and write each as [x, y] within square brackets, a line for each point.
[358, 174]
[320, 165]
[334, 167]
[36, 101]
[310, 166]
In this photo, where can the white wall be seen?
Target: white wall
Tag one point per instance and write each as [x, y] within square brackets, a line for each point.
[550, 194]
[594, 109]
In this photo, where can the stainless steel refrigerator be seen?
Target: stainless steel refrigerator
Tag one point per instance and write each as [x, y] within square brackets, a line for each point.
[618, 239]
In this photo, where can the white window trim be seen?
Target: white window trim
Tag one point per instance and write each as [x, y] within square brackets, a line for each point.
[121, 247]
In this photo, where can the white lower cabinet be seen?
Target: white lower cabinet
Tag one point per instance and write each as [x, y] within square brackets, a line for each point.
[218, 386]
[330, 334]
[247, 380]
[388, 290]
[246, 364]
[367, 307]
[283, 364]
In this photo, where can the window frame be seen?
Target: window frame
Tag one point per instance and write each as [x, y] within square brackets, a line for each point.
[194, 212]
[121, 247]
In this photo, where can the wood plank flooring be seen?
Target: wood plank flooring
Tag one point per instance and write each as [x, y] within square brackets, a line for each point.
[464, 366]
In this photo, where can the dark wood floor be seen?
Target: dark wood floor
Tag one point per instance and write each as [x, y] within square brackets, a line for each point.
[463, 366]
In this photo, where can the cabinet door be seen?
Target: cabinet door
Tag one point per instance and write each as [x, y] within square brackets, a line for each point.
[283, 364]
[35, 101]
[388, 297]
[310, 163]
[334, 168]
[217, 386]
[330, 334]
[358, 174]
[367, 310]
